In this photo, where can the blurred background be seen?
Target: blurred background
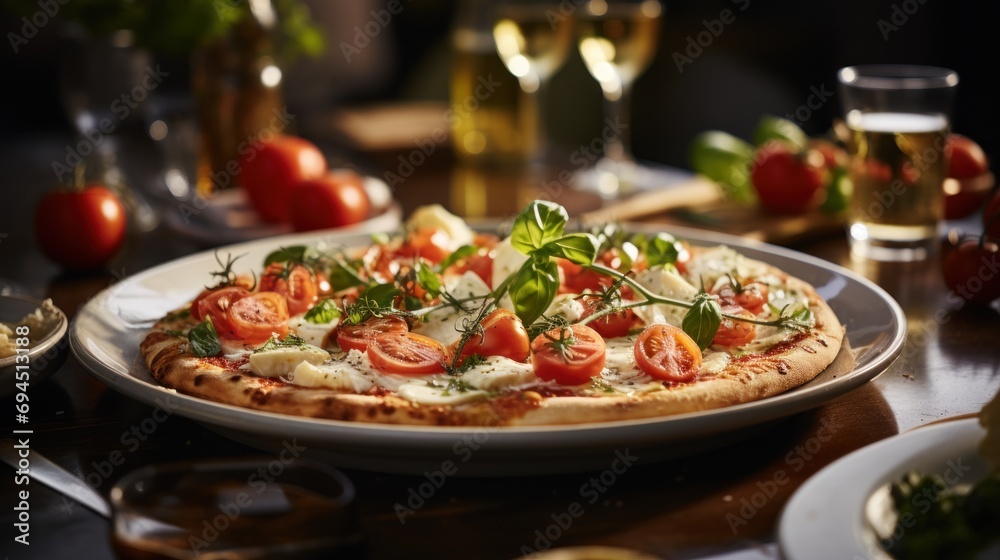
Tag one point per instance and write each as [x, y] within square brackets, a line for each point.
[766, 61]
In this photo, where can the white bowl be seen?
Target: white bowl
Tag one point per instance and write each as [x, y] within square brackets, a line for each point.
[45, 357]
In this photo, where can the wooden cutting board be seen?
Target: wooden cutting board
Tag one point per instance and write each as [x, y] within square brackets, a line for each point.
[699, 203]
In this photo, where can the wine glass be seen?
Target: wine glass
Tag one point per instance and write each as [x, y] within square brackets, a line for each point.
[533, 46]
[617, 41]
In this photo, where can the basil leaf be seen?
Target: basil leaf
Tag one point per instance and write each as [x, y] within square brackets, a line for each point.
[534, 287]
[381, 295]
[459, 254]
[580, 248]
[204, 340]
[703, 319]
[295, 253]
[412, 303]
[344, 275]
[662, 249]
[323, 312]
[274, 343]
[428, 280]
[628, 254]
[541, 222]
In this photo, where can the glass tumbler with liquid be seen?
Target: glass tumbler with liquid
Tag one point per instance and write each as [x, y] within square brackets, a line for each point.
[898, 117]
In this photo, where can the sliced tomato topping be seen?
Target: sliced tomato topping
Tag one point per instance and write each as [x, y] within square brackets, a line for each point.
[407, 353]
[257, 317]
[613, 324]
[357, 337]
[504, 336]
[735, 333]
[569, 355]
[481, 264]
[297, 285]
[752, 296]
[429, 243]
[668, 353]
[216, 304]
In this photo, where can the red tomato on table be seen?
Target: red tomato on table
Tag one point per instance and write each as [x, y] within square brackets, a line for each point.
[269, 173]
[80, 229]
[333, 200]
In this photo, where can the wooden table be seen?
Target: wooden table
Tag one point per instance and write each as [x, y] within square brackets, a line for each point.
[707, 505]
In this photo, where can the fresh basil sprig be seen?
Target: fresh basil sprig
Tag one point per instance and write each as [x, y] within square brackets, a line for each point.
[462, 252]
[662, 249]
[323, 312]
[204, 340]
[539, 232]
[427, 279]
[538, 224]
[702, 320]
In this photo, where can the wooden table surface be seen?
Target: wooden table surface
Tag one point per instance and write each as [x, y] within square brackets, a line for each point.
[710, 505]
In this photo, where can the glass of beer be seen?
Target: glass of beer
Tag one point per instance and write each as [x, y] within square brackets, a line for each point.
[898, 120]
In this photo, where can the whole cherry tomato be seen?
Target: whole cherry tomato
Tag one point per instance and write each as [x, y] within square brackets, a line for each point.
[972, 270]
[81, 228]
[269, 173]
[969, 185]
[333, 200]
[785, 182]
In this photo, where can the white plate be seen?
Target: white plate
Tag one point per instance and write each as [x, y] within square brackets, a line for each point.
[826, 518]
[106, 333]
[229, 218]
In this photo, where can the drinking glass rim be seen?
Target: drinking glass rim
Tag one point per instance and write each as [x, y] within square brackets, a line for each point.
[897, 76]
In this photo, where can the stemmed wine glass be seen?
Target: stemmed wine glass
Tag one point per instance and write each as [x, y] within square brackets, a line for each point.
[533, 46]
[617, 41]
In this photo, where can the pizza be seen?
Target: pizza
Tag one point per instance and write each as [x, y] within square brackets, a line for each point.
[440, 325]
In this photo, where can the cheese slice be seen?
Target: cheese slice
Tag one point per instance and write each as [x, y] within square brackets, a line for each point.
[498, 373]
[335, 375]
[445, 324]
[435, 216]
[422, 393]
[282, 361]
[664, 281]
[312, 333]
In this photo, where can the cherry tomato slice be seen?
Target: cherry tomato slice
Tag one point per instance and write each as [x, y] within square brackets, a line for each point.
[216, 304]
[257, 317]
[298, 286]
[735, 333]
[407, 353]
[568, 355]
[429, 243]
[612, 325]
[505, 336]
[668, 353]
[752, 296]
[357, 337]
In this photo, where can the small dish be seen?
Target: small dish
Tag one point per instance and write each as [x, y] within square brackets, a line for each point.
[45, 356]
[269, 507]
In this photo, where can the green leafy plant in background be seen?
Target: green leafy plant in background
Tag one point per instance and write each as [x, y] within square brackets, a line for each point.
[182, 26]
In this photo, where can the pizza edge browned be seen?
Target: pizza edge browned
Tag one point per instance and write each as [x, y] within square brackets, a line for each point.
[793, 363]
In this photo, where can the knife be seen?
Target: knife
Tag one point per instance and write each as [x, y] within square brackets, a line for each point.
[55, 477]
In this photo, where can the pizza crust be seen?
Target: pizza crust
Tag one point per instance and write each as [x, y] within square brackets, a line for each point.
[745, 379]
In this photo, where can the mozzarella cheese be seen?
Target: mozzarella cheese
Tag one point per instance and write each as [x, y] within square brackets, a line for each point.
[282, 361]
[444, 325]
[498, 373]
[665, 282]
[333, 375]
[312, 333]
[423, 393]
[436, 217]
[506, 261]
